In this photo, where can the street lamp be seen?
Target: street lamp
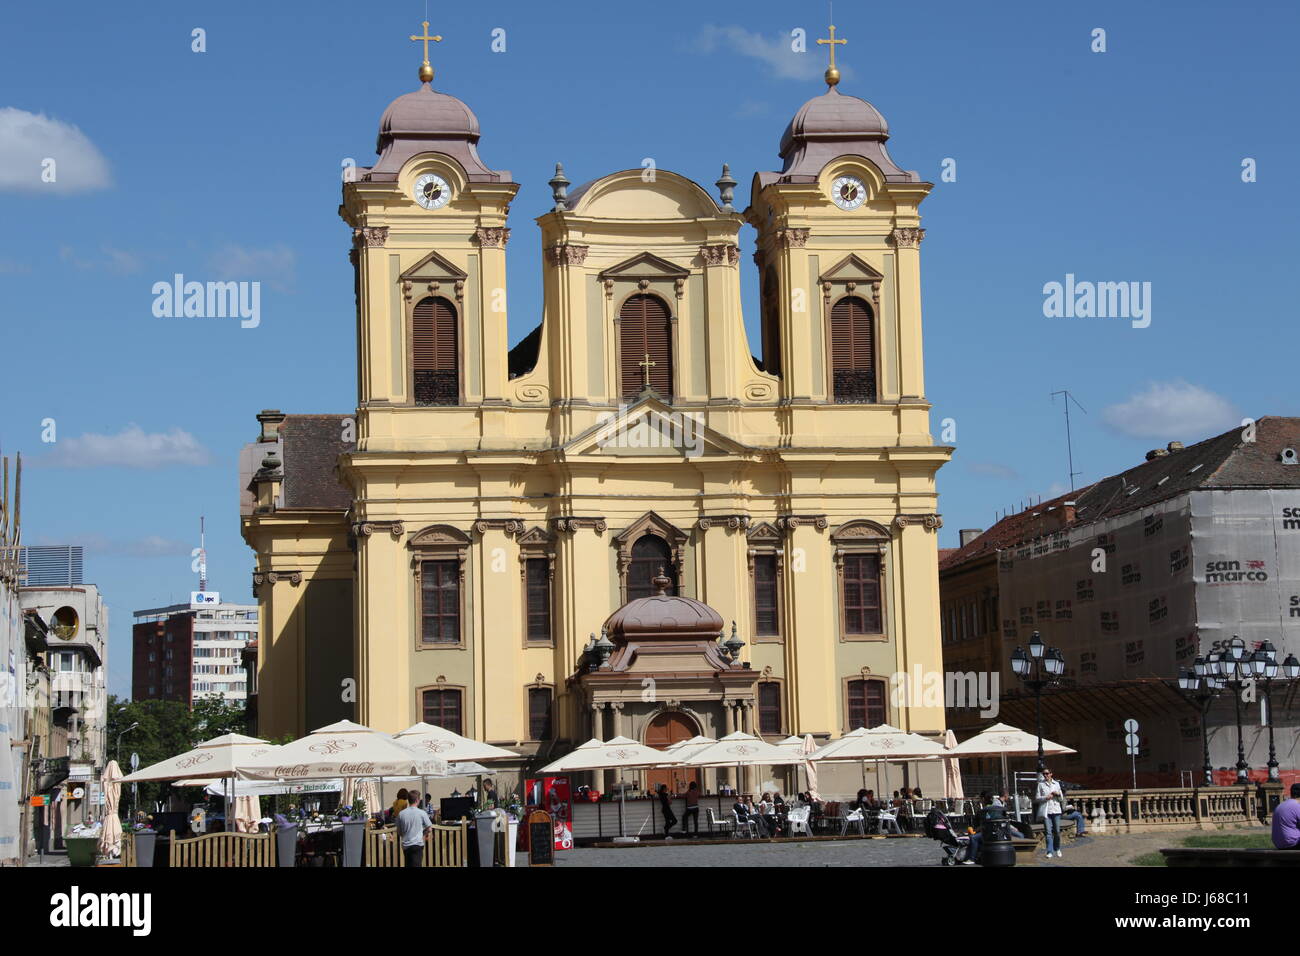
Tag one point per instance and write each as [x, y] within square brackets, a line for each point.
[1041, 667]
[1202, 686]
[1264, 665]
[119, 741]
[1233, 666]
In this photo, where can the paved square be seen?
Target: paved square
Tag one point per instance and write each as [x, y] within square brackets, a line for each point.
[910, 852]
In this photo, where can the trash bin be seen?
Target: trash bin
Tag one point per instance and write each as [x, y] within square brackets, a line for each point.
[997, 848]
[286, 845]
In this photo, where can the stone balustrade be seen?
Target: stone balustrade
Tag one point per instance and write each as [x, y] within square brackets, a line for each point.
[1168, 807]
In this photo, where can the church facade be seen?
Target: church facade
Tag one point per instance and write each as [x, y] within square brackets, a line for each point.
[453, 551]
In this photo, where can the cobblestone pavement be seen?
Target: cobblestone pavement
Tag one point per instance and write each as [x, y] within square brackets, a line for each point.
[898, 852]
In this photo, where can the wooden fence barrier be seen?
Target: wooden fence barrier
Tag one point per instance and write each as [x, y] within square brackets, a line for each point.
[224, 849]
[444, 846]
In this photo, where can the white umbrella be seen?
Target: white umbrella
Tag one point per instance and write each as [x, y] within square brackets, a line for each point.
[809, 768]
[951, 770]
[883, 743]
[439, 742]
[742, 749]
[618, 753]
[219, 757]
[1003, 740]
[110, 838]
[343, 749]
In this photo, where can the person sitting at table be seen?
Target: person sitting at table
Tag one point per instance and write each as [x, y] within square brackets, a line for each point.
[916, 793]
[863, 800]
[745, 812]
[767, 812]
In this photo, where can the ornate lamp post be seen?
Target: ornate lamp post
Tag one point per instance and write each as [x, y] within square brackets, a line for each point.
[1041, 667]
[1265, 666]
[1233, 666]
[1202, 687]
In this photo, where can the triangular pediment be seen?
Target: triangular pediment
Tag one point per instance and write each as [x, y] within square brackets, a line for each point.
[764, 531]
[433, 267]
[651, 428]
[647, 265]
[852, 269]
[535, 536]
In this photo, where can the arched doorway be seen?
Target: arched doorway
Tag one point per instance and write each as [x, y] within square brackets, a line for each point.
[665, 730]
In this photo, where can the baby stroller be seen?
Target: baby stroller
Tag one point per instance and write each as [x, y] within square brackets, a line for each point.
[956, 847]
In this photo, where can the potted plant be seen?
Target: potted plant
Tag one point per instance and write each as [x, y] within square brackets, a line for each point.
[354, 821]
[145, 840]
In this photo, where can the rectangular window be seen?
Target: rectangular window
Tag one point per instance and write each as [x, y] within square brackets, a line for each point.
[440, 602]
[537, 572]
[767, 622]
[861, 594]
[866, 703]
[442, 708]
[769, 708]
[539, 713]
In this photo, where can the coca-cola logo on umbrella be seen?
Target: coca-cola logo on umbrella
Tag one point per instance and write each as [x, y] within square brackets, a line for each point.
[333, 746]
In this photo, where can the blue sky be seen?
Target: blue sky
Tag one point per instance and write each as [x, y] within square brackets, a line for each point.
[1117, 166]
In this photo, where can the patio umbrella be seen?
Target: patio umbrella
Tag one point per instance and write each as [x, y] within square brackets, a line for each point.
[439, 742]
[110, 837]
[343, 749]
[618, 753]
[796, 744]
[219, 757]
[1003, 740]
[809, 768]
[951, 770]
[743, 750]
[883, 743]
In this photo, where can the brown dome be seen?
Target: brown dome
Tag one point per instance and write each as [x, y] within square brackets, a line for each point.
[834, 116]
[663, 616]
[427, 114]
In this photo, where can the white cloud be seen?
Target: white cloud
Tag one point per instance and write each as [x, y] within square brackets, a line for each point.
[132, 447]
[992, 469]
[773, 50]
[273, 265]
[28, 140]
[1172, 411]
[150, 546]
[110, 259]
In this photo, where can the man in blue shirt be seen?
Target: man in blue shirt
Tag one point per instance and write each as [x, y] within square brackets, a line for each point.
[1286, 822]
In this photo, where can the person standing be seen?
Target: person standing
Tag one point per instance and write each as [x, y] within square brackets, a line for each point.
[692, 811]
[1286, 822]
[413, 824]
[1049, 798]
[666, 806]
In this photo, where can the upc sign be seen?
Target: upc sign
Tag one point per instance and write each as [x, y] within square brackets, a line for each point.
[204, 598]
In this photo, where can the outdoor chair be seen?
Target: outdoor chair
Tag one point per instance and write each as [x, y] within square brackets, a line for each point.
[888, 818]
[749, 826]
[857, 816]
[797, 819]
[724, 825]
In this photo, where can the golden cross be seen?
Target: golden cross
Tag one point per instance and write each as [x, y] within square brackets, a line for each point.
[646, 366]
[426, 71]
[832, 74]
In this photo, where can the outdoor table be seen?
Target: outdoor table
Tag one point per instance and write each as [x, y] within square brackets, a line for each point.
[323, 842]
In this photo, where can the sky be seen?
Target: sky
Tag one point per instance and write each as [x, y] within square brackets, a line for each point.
[1166, 159]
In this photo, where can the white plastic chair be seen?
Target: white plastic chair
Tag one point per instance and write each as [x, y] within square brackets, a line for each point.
[857, 816]
[749, 826]
[890, 818]
[723, 825]
[798, 820]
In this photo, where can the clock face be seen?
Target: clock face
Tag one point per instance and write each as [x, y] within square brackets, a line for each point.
[432, 191]
[848, 192]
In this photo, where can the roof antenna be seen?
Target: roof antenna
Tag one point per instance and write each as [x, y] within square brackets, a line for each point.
[1069, 442]
[203, 556]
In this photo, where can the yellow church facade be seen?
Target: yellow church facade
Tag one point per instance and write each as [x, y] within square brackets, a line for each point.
[452, 551]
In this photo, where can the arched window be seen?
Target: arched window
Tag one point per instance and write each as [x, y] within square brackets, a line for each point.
[649, 553]
[434, 353]
[645, 346]
[771, 323]
[853, 351]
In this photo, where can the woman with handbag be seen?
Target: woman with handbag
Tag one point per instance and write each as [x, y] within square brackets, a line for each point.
[1048, 800]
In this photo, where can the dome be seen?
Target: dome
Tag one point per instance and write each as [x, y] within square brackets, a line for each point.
[663, 616]
[834, 116]
[427, 114]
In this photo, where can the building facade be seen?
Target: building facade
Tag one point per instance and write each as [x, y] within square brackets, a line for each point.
[1134, 578]
[451, 551]
[183, 652]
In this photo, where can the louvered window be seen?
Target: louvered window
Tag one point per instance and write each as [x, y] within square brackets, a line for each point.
[645, 343]
[853, 354]
[766, 615]
[769, 708]
[537, 573]
[433, 350]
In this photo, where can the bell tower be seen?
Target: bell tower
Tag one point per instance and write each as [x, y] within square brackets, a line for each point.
[838, 256]
[429, 228]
